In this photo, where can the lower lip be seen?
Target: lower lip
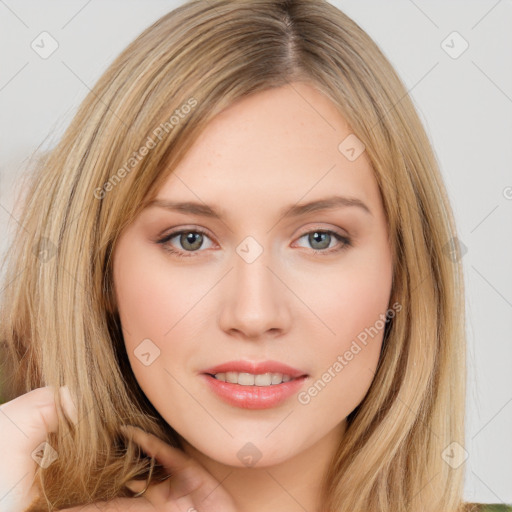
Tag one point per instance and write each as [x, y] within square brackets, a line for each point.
[254, 397]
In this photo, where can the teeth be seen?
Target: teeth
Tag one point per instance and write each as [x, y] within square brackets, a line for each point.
[248, 379]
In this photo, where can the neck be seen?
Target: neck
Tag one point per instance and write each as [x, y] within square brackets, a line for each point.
[293, 485]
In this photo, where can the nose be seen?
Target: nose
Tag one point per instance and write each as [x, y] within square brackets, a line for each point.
[255, 300]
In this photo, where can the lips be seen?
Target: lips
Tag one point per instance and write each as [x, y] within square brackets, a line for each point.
[255, 368]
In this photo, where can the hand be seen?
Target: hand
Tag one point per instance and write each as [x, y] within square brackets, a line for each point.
[24, 424]
[190, 488]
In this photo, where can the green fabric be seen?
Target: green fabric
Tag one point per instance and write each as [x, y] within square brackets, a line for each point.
[496, 508]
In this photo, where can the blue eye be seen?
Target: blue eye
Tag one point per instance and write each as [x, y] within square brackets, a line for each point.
[191, 240]
[320, 240]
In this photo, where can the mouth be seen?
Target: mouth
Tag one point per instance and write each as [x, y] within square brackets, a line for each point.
[250, 379]
[252, 385]
[251, 373]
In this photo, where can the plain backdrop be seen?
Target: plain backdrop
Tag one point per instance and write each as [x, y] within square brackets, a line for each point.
[454, 57]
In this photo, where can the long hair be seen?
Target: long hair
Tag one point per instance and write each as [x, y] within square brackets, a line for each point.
[59, 317]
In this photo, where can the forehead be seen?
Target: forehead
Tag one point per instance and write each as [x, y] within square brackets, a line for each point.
[272, 147]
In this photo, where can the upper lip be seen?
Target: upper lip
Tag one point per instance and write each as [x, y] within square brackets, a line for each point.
[256, 368]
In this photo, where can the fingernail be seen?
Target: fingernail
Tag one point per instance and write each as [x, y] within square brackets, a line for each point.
[136, 485]
[127, 430]
[68, 404]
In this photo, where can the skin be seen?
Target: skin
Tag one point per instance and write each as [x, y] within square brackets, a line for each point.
[293, 303]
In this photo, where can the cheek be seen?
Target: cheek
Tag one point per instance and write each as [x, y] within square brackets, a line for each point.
[349, 355]
[157, 305]
[351, 300]
[151, 296]
[352, 303]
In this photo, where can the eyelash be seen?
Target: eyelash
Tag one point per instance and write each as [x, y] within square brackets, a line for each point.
[346, 242]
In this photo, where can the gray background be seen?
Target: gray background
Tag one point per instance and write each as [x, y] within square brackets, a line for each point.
[465, 104]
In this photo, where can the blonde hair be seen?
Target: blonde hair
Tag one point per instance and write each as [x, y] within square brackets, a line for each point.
[59, 317]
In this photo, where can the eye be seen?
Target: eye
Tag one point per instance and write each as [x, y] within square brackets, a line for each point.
[191, 240]
[320, 241]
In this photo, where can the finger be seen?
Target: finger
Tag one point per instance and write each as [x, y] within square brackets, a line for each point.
[189, 478]
[25, 423]
[115, 505]
[136, 486]
[156, 493]
[68, 404]
[33, 415]
[33, 412]
[173, 459]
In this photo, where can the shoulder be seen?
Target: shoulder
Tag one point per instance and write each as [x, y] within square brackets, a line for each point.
[488, 507]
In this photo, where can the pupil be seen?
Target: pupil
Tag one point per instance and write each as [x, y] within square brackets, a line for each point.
[190, 238]
[314, 238]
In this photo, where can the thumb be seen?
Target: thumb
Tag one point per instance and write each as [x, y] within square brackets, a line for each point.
[30, 417]
[25, 423]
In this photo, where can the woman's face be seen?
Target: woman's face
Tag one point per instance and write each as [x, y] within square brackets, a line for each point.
[256, 276]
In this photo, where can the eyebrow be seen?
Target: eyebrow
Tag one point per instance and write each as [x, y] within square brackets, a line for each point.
[296, 210]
